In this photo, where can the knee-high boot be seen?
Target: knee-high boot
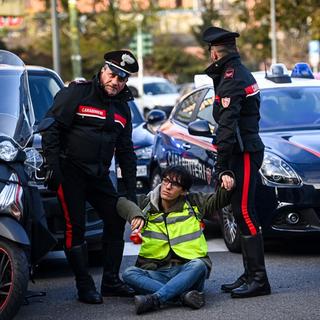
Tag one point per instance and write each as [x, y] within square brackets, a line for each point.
[228, 287]
[257, 283]
[111, 284]
[77, 257]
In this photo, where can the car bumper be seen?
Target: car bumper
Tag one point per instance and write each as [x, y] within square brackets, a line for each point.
[289, 211]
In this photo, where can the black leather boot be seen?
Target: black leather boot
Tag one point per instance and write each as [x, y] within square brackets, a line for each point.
[77, 257]
[193, 299]
[257, 283]
[228, 287]
[111, 284]
[148, 302]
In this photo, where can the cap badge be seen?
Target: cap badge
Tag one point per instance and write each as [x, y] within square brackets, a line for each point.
[126, 59]
[225, 102]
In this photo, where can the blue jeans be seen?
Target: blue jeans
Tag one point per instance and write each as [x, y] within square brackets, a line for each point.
[167, 283]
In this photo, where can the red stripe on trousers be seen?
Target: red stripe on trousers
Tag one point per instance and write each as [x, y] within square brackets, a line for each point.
[245, 194]
[67, 217]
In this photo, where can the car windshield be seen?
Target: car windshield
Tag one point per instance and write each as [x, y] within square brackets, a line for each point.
[290, 108]
[16, 112]
[43, 88]
[155, 88]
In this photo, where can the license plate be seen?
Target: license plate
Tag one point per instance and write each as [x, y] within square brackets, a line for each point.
[141, 171]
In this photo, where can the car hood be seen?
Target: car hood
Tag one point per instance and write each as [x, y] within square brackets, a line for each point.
[160, 100]
[301, 149]
[141, 137]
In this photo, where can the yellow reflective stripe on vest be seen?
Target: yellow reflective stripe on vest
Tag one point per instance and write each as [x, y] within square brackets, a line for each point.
[186, 237]
[177, 219]
[155, 235]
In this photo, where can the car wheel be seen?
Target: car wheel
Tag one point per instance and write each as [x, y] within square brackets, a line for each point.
[230, 230]
[155, 178]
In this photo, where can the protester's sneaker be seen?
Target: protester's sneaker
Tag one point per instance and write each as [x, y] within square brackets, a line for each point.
[193, 299]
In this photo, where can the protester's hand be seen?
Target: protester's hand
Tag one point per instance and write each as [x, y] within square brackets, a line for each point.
[137, 224]
[227, 182]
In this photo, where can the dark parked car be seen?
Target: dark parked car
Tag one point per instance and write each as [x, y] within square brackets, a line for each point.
[288, 195]
[142, 138]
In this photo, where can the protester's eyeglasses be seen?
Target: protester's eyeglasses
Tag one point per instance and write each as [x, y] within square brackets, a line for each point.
[209, 47]
[174, 184]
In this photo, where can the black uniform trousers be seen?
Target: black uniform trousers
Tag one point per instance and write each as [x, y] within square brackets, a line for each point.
[76, 188]
[246, 169]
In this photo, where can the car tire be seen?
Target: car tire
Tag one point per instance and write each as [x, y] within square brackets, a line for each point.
[230, 230]
[155, 178]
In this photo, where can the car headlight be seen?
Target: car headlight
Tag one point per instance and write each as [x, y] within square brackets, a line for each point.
[8, 151]
[144, 153]
[277, 172]
[11, 198]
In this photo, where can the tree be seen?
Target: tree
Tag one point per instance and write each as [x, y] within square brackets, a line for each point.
[297, 22]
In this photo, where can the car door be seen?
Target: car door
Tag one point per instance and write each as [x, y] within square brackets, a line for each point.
[175, 146]
[201, 150]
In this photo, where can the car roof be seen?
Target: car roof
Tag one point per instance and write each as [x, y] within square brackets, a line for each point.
[147, 79]
[263, 83]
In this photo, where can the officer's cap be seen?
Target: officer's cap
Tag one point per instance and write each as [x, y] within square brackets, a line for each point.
[217, 36]
[121, 62]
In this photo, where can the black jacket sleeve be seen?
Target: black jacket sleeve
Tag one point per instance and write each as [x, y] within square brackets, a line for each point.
[127, 160]
[229, 115]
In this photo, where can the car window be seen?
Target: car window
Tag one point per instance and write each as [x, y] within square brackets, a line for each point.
[187, 106]
[205, 109]
[43, 88]
[290, 107]
[135, 113]
[155, 88]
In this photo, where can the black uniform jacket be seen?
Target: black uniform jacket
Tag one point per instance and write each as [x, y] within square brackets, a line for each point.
[89, 128]
[236, 109]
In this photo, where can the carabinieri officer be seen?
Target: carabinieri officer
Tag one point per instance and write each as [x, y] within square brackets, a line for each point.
[240, 149]
[92, 122]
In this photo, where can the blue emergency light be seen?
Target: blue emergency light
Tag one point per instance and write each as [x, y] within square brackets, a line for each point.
[302, 70]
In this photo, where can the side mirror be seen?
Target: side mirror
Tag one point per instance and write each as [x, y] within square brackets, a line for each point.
[201, 128]
[154, 119]
[156, 116]
[134, 91]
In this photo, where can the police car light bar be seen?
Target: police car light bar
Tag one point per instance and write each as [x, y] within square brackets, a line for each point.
[278, 73]
[302, 70]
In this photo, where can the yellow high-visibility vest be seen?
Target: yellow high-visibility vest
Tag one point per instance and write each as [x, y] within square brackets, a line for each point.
[180, 231]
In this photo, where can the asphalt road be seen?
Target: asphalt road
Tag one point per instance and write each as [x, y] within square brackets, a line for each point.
[293, 273]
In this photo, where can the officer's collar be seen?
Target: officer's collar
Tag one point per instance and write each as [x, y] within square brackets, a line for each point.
[124, 95]
[218, 66]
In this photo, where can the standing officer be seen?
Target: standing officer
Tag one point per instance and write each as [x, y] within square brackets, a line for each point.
[92, 122]
[240, 149]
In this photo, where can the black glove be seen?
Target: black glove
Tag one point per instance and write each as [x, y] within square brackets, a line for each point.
[53, 179]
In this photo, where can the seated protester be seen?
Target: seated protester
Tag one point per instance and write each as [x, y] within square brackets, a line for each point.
[173, 261]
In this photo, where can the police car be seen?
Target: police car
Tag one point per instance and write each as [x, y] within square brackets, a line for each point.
[288, 193]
